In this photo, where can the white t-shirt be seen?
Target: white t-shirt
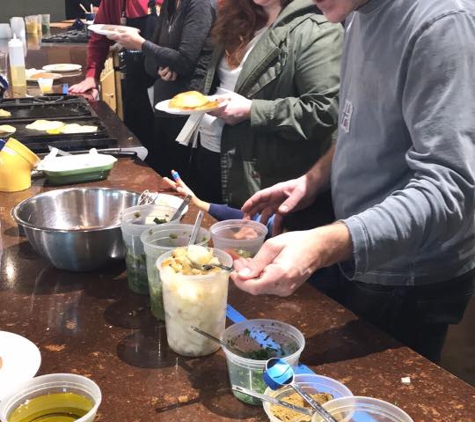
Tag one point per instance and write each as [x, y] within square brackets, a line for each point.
[211, 127]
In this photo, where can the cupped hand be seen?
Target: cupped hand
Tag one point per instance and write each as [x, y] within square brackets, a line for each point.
[236, 110]
[285, 262]
[280, 199]
[166, 74]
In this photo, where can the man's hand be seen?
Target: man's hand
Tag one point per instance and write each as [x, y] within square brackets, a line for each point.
[87, 84]
[128, 38]
[285, 262]
[166, 74]
[236, 111]
[292, 195]
[281, 199]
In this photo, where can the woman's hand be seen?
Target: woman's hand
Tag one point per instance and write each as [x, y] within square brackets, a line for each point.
[128, 38]
[236, 111]
[166, 74]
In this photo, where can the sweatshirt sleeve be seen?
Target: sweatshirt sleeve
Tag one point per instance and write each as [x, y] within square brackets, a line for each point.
[98, 45]
[196, 27]
[318, 55]
[438, 110]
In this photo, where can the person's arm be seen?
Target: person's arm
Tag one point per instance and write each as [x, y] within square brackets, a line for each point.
[285, 262]
[438, 109]
[98, 47]
[291, 195]
[317, 80]
[439, 200]
[196, 27]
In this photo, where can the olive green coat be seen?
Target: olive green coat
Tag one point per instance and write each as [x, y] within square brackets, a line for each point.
[292, 76]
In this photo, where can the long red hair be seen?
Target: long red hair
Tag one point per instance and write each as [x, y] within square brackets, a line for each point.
[235, 26]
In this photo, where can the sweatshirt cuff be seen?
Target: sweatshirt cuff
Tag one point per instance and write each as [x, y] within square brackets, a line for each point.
[359, 237]
[91, 73]
[148, 47]
[262, 111]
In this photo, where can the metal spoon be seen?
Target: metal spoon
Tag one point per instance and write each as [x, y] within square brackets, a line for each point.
[180, 209]
[279, 373]
[233, 349]
[196, 228]
[272, 400]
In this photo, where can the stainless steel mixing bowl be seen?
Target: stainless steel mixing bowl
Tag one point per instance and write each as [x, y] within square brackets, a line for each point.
[77, 229]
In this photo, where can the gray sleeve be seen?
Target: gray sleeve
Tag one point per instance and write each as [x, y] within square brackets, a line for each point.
[438, 106]
[196, 27]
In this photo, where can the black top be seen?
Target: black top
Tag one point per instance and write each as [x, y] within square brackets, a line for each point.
[181, 42]
[73, 10]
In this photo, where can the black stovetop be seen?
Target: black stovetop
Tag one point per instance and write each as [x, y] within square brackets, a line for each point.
[71, 36]
[67, 108]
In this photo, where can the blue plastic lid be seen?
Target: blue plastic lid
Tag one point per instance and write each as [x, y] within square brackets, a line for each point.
[2, 143]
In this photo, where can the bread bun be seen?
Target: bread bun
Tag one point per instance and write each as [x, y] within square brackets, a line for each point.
[191, 100]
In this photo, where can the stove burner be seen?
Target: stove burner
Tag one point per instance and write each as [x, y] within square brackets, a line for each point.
[71, 36]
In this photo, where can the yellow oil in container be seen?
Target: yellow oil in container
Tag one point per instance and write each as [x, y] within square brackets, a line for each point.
[18, 81]
[16, 163]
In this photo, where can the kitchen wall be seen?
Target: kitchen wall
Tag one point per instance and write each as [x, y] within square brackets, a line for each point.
[9, 8]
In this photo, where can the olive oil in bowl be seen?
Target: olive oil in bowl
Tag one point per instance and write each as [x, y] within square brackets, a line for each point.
[53, 407]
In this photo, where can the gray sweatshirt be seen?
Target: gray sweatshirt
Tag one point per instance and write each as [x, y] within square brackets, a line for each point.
[403, 177]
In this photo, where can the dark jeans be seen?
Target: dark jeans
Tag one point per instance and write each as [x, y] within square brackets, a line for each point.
[418, 316]
[206, 175]
[164, 153]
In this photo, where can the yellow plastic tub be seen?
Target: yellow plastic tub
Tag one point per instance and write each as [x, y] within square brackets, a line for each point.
[16, 163]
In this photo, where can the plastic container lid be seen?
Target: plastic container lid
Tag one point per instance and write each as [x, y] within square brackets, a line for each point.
[363, 409]
[310, 383]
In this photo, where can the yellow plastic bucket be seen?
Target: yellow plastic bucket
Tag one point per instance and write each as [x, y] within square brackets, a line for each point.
[16, 163]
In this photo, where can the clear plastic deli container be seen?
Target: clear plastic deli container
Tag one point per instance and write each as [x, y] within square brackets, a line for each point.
[157, 241]
[358, 409]
[134, 221]
[240, 238]
[194, 300]
[261, 339]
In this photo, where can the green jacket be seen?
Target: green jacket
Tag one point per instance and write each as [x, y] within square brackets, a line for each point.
[292, 76]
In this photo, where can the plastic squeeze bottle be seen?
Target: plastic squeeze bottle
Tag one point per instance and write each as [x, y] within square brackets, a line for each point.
[17, 67]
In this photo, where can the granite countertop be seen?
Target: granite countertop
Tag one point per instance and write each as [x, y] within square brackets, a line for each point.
[91, 324]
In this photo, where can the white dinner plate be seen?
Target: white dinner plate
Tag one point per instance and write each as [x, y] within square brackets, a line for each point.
[21, 360]
[171, 201]
[103, 29]
[62, 67]
[163, 106]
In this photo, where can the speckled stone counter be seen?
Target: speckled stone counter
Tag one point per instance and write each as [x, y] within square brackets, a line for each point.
[91, 324]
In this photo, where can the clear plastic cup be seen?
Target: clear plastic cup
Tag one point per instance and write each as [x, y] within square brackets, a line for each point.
[45, 22]
[134, 221]
[46, 85]
[311, 384]
[194, 300]
[257, 334]
[156, 242]
[241, 238]
[50, 385]
[31, 23]
[356, 409]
